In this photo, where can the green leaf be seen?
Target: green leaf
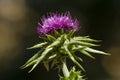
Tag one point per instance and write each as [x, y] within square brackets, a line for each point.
[74, 75]
[43, 38]
[31, 61]
[63, 38]
[50, 37]
[53, 63]
[52, 56]
[82, 43]
[57, 42]
[64, 78]
[46, 64]
[57, 34]
[54, 44]
[29, 64]
[78, 58]
[77, 48]
[70, 34]
[38, 60]
[95, 51]
[85, 39]
[38, 45]
[72, 58]
[62, 31]
[86, 53]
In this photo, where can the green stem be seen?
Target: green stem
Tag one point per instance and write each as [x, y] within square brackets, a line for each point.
[65, 69]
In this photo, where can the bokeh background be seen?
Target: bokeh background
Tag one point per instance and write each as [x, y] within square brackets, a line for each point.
[100, 19]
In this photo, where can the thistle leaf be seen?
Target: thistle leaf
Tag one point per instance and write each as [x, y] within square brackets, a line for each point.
[39, 59]
[56, 33]
[85, 39]
[54, 44]
[43, 38]
[38, 45]
[78, 58]
[57, 42]
[52, 56]
[74, 75]
[62, 31]
[82, 43]
[29, 64]
[50, 38]
[46, 64]
[53, 63]
[34, 66]
[31, 60]
[70, 34]
[64, 78]
[72, 58]
[86, 53]
[96, 51]
[77, 48]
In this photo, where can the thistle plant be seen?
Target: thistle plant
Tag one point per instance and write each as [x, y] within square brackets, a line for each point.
[60, 44]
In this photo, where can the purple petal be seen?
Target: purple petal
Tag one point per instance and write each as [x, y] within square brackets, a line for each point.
[56, 22]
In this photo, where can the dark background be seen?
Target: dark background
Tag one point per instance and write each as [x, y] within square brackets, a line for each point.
[100, 19]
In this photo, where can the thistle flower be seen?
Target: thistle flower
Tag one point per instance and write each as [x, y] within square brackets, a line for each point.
[57, 22]
[55, 50]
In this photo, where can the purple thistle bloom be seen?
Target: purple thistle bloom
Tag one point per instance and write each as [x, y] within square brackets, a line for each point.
[57, 22]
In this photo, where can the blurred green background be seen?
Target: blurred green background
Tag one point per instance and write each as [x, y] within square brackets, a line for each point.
[100, 19]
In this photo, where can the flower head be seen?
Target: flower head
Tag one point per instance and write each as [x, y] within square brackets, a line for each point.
[57, 22]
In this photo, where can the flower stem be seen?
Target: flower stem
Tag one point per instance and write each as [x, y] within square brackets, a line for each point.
[65, 69]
